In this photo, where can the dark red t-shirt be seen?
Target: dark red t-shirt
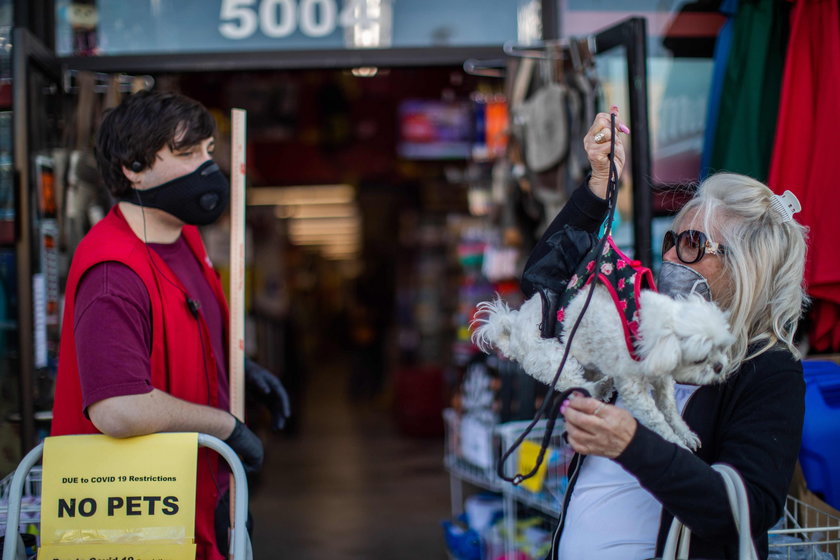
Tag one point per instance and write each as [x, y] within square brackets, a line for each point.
[113, 325]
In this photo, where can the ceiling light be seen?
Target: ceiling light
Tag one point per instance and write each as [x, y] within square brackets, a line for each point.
[298, 195]
[311, 211]
[365, 71]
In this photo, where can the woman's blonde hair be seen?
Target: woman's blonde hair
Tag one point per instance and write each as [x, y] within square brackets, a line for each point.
[764, 260]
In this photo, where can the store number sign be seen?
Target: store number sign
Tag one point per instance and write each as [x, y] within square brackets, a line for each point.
[241, 19]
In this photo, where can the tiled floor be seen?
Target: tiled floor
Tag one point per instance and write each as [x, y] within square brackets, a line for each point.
[348, 486]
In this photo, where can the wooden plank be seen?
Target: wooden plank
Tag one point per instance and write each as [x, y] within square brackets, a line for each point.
[236, 370]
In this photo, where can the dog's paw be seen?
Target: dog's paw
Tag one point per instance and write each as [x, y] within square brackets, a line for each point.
[685, 437]
[691, 441]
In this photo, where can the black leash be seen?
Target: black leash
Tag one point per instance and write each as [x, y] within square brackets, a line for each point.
[553, 400]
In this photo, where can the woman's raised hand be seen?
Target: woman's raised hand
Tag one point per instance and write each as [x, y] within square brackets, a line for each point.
[597, 146]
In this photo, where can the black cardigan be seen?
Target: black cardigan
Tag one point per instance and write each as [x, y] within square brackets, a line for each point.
[753, 422]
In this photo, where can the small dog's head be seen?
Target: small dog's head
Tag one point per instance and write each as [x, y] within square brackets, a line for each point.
[687, 338]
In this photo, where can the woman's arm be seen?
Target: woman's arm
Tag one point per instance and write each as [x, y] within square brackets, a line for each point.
[584, 211]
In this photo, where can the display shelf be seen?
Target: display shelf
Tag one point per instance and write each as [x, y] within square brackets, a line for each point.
[543, 494]
[466, 472]
[552, 509]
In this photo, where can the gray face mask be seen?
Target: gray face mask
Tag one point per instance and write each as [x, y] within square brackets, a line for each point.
[678, 280]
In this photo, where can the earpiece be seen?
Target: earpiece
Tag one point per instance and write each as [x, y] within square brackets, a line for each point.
[137, 167]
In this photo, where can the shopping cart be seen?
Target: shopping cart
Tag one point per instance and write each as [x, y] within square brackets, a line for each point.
[30, 502]
[26, 478]
[546, 489]
[805, 533]
[471, 454]
[544, 494]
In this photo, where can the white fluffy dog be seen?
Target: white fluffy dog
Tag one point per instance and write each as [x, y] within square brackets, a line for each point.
[679, 340]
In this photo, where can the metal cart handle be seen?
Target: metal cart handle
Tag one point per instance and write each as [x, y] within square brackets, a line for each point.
[240, 545]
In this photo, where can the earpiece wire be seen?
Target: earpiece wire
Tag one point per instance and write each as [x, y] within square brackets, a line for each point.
[186, 295]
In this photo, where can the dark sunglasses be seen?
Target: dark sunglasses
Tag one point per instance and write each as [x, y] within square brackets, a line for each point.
[691, 245]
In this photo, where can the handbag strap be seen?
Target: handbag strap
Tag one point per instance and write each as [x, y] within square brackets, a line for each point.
[736, 492]
[680, 535]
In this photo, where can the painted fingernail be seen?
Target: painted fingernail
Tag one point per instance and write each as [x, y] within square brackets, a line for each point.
[623, 128]
[564, 406]
[614, 109]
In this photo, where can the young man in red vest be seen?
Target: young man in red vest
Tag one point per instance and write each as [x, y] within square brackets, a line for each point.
[145, 323]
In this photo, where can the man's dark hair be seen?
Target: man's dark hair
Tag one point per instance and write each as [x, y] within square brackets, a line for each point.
[140, 126]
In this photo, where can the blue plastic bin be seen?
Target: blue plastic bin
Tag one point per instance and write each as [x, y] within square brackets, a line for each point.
[820, 452]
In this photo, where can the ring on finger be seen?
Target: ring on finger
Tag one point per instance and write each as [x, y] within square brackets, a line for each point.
[598, 409]
[601, 137]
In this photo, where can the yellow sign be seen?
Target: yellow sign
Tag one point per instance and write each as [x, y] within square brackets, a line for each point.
[103, 492]
[528, 453]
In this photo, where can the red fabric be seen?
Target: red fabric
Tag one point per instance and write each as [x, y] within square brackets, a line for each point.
[111, 298]
[176, 359]
[806, 151]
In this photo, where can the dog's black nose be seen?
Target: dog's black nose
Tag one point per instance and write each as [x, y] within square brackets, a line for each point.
[718, 368]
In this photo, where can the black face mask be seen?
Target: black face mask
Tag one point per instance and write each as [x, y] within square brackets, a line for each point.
[197, 198]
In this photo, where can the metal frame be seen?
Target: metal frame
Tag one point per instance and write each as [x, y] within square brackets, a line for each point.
[37, 16]
[240, 542]
[28, 51]
[281, 59]
[550, 16]
[632, 35]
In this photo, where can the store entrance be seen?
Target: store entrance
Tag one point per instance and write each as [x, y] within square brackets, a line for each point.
[353, 184]
[339, 193]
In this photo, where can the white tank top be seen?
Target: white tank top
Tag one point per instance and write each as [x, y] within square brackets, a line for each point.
[610, 516]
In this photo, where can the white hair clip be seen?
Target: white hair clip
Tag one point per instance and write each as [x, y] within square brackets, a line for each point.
[786, 205]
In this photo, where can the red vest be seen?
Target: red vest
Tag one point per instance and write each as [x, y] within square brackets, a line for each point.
[177, 347]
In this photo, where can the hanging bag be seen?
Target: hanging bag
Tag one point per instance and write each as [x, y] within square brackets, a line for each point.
[737, 494]
[540, 121]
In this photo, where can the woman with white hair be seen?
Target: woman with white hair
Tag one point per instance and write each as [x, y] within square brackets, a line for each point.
[736, 243]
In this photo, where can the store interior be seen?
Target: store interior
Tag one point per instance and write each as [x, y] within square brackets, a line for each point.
[349, 228]
[355, 474]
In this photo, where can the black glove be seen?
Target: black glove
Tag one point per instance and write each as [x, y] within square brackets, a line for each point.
[269, 391]
[248, 446]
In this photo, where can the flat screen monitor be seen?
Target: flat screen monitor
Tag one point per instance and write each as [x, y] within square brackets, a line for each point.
[434, 129]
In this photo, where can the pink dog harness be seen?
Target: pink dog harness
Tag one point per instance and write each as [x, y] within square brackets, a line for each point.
[624, 279]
